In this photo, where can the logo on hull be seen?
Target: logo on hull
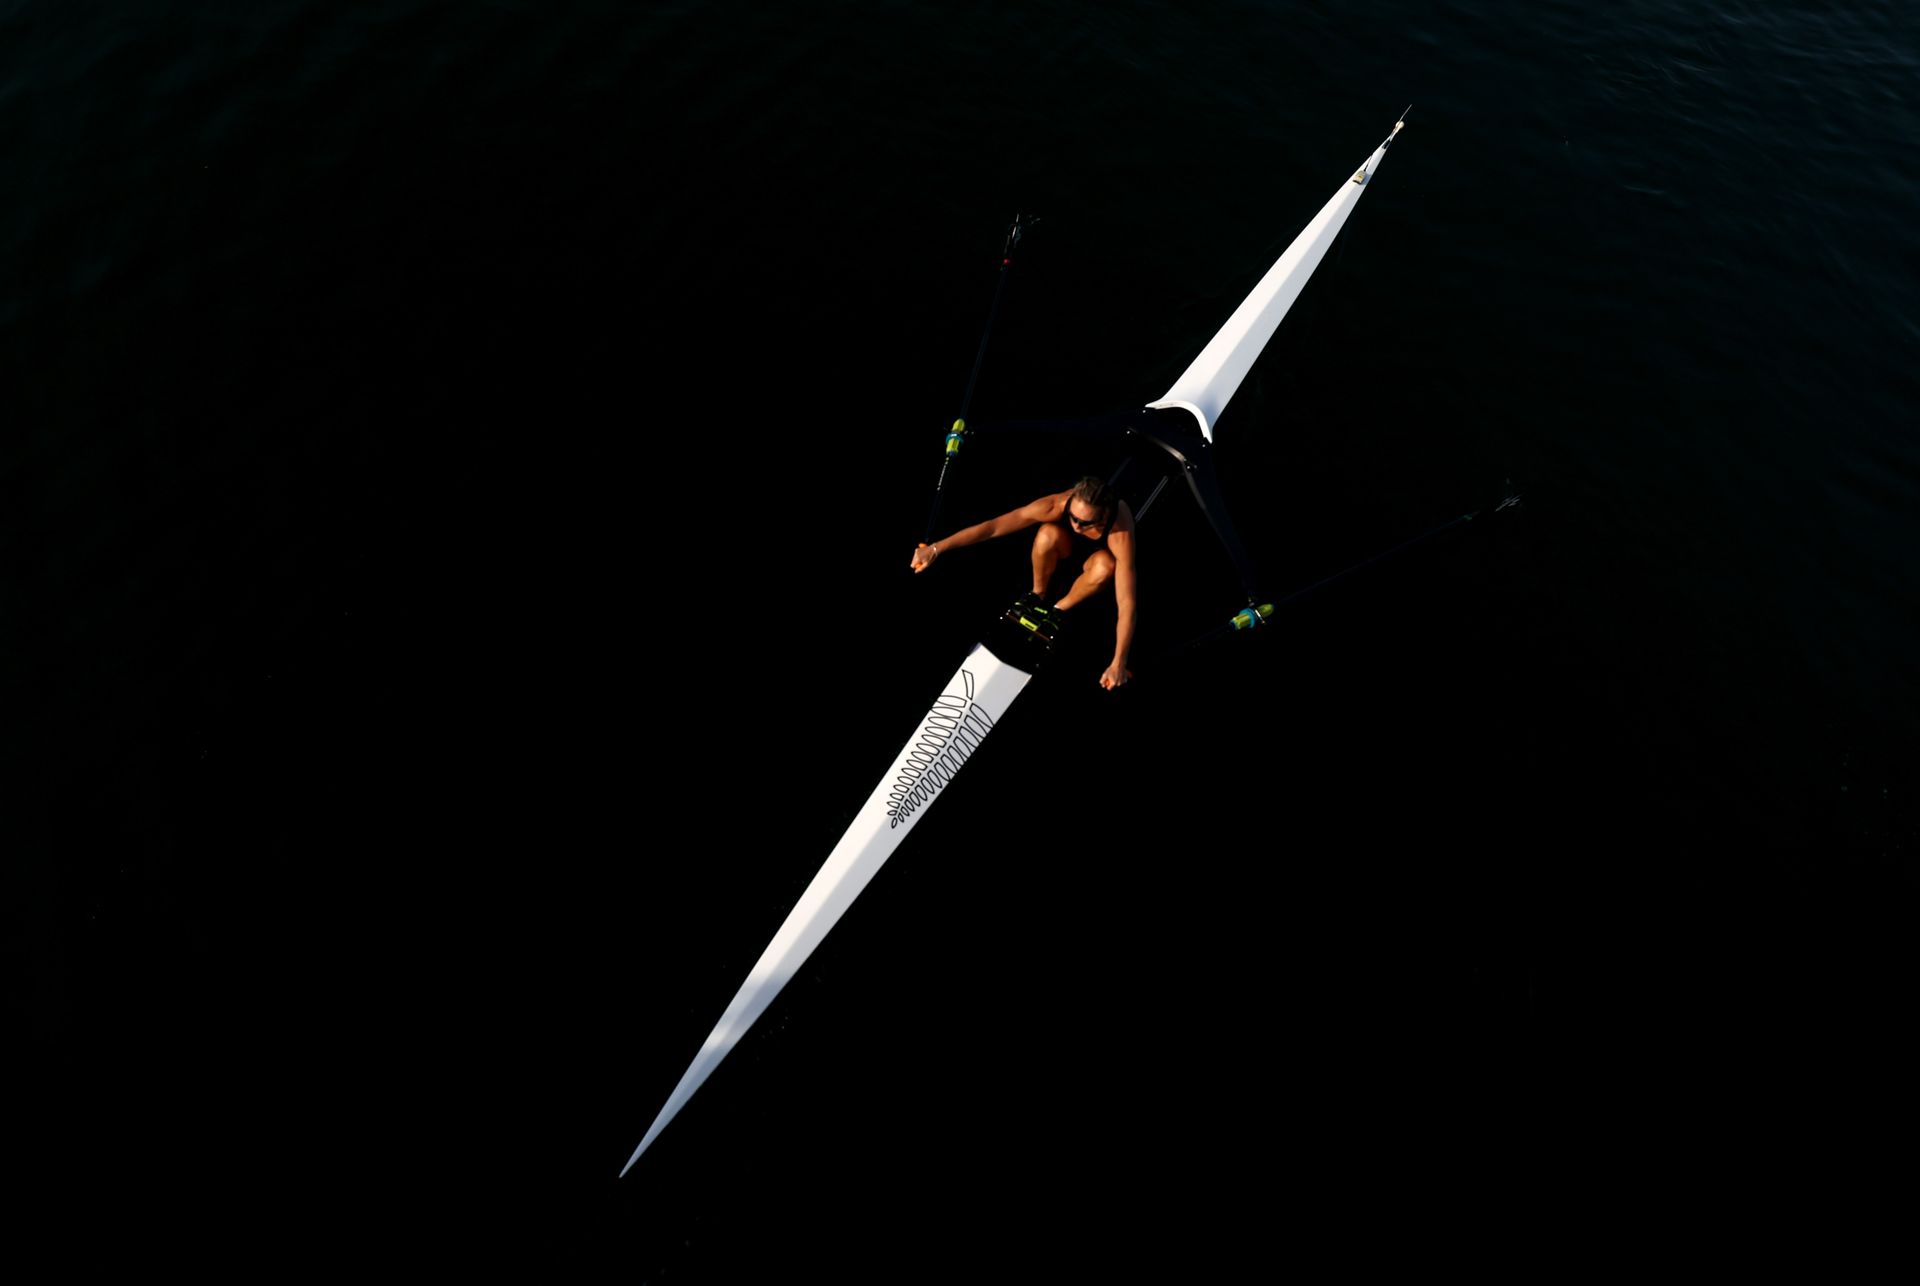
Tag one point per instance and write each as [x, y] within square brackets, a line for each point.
[952, 731]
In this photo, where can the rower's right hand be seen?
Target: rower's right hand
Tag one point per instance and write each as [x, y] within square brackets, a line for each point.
[923, 556]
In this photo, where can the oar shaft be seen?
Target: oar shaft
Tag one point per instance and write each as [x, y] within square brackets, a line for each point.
[1378, 558]
[986, 334]
[957, 435]
[1266, 611]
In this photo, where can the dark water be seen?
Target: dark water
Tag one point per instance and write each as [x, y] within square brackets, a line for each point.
[460, 467]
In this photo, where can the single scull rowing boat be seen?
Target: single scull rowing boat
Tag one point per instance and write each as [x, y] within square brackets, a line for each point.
[989, 679]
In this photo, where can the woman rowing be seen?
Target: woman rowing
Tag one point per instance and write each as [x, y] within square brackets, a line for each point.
[1087, 522]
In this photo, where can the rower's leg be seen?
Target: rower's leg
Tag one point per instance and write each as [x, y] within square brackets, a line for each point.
[1093, 576]
[1049, 543]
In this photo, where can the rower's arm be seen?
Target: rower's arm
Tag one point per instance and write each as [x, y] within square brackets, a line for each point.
[1045, 509]
[1120, 541]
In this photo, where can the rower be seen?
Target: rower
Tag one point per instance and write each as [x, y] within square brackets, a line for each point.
[1086, 523]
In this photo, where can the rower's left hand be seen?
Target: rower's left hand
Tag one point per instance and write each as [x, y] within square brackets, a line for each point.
[1116, 674]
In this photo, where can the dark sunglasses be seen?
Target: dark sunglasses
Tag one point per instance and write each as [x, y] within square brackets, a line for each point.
[1101, 521]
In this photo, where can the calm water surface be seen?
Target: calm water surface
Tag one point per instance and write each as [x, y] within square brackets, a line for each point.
[460, 466]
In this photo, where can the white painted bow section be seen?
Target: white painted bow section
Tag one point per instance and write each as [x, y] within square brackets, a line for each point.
[972, 702]
[1207, 385]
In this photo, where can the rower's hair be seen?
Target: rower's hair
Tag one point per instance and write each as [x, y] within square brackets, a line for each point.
[1096, 492]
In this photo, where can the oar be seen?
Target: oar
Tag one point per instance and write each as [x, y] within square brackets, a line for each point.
[1256, 614]
[957, 435]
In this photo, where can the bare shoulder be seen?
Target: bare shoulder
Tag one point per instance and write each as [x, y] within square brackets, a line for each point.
[1048, 508]
[1123, 519]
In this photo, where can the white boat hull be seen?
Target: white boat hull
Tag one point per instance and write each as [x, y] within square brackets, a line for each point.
[984, 686]
[1205, 387]
[965, 712]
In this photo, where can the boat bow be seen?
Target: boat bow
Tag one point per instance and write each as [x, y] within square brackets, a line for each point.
[1205, 386]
